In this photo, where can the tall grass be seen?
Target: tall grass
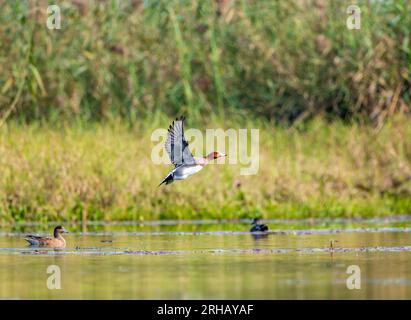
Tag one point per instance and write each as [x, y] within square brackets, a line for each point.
[282, 60]
[105, 172]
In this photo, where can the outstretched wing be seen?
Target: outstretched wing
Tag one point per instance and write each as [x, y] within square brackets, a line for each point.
[177, 145]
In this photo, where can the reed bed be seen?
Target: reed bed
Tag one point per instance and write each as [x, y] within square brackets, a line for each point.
[285, 61]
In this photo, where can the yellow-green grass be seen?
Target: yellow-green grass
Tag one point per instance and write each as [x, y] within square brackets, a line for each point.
[104, 171]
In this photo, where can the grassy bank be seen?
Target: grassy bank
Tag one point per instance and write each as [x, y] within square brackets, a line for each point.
[105, 172]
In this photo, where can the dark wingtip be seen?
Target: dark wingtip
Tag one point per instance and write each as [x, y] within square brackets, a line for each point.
[181, 118]
[170, 128]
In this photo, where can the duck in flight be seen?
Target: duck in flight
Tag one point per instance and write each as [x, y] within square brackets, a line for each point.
[57, 241]
[184, 163]
[257, 227]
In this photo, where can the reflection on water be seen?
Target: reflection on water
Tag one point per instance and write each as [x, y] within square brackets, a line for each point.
[200, 261]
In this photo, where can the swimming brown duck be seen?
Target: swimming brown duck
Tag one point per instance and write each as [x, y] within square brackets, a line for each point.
[56, 242]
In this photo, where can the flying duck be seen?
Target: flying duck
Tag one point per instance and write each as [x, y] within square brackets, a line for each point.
[56, 242]
[184, 163]
[258, 227]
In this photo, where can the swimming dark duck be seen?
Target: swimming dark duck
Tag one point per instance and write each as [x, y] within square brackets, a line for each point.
[57, 241]
[258, 227]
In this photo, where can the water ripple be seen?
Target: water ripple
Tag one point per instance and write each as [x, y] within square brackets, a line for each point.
[223, 232]
[388, 219]
[119, 251]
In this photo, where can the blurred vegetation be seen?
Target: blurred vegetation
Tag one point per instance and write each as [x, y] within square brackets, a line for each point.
[106, 172]
[78, 105]
[281, 60]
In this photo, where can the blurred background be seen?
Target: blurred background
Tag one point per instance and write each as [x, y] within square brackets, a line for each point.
[280, 60]
[78, 105]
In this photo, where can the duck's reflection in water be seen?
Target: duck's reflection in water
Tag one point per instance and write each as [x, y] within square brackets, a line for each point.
[259, 236]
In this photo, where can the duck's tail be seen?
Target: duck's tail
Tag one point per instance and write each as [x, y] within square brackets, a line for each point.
[32, 240]
[169, 179]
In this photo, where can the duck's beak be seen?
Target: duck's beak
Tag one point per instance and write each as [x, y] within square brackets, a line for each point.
[65, 231]
[223, 155]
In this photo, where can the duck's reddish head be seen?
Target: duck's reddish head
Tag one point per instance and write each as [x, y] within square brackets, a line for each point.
[215, 155]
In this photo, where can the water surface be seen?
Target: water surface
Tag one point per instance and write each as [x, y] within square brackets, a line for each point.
[212, 260]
